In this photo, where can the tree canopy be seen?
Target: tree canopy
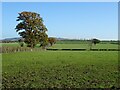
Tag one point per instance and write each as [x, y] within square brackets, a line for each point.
[31, 28]
[52, 40]
[95, 41]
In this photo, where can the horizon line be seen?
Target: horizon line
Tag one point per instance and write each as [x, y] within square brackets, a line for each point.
[66, 38]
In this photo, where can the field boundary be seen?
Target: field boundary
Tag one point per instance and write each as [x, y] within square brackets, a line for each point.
[56, 49]
[25, 49]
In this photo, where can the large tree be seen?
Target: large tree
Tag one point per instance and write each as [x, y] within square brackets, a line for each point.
[31, 28]
[43, 40]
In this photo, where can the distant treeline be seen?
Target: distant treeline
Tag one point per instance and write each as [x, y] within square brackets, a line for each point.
[8, 41]
[73, 41]
[85, 42]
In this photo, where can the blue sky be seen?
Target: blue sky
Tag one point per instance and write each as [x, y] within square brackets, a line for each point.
[79, 20]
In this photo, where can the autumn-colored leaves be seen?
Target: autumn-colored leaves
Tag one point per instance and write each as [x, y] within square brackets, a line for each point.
[31, 28]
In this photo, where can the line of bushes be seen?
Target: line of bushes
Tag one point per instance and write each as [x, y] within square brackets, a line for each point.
[67, 49]
[105, 49]
[85, 49]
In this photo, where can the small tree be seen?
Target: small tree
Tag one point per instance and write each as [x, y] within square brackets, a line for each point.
[31, 27]
[51, 40]
[95, 41]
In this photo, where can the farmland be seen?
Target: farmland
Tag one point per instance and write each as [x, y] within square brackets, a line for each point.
[74, 44]
[61, 69]
[85, 46]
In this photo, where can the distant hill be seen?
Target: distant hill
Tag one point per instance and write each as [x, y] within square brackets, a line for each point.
[17, 38]
[11, 39]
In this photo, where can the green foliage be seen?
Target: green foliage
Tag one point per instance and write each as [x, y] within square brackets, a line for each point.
[43, 40]
[31, 27]
[52, 40]
[95, 41]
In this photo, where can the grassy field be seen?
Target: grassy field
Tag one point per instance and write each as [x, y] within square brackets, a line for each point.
[74, 46]
[61, 69]
[10, 44]
[85, 46]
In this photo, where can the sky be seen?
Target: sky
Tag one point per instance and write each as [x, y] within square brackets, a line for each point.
[75, 20]
[60, 0]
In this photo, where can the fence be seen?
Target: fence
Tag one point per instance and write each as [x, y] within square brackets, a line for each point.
[17, 49]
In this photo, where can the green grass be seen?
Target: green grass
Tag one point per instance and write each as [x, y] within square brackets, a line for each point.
[10, 44]
[48, 69]
[71, 46]
[85, 46]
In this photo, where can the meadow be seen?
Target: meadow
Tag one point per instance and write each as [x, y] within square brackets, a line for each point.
[61, 69]
[73, 45]
[85, 46]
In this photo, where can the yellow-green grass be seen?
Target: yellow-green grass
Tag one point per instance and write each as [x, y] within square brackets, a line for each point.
[71, 46]
[10, 44]
[85, 46]
[61, 69]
